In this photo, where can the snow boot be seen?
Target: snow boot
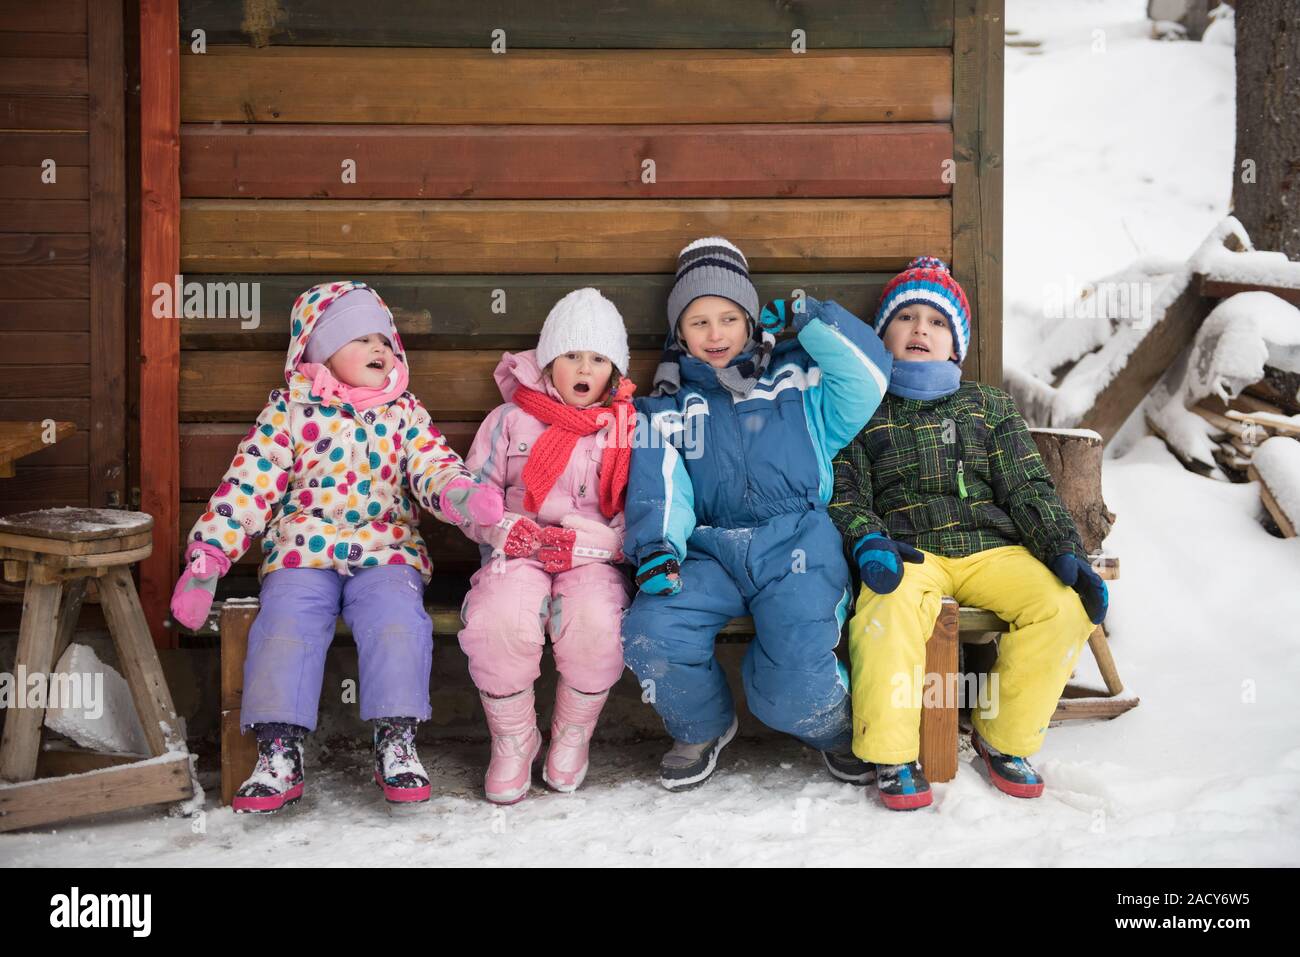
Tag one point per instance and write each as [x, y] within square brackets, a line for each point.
[398, 770]
[277, 778]
[1009, 774]
[516, 744]
[848, 767]
[903, 787]
[689, 765]
[574, 722]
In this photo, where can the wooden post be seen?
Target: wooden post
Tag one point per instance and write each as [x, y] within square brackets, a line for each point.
[160, 201]
[107, 452]
[74, 593]
[1105, 661]
[139, 662]
[939, 725]
[977, 77]
[22, 735]
[238, 751]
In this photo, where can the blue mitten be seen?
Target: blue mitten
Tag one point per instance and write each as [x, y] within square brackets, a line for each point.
[779, 313]
[880, 559]
[1078, 574]
[652, 575]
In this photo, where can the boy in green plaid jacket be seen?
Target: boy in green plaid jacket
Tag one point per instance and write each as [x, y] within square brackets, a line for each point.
[944, 493]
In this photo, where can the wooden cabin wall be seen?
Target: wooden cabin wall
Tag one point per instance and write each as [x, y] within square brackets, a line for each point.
[63, 343]
[520, 174]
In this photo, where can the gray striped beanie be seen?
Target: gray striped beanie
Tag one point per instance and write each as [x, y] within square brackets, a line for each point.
[711, 267]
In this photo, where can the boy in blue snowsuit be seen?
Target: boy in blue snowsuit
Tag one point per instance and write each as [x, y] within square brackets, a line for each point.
[726, 512]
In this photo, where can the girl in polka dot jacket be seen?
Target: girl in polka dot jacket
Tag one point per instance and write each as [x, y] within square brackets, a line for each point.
[330, 475]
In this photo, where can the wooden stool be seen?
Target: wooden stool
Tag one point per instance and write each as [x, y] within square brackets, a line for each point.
[57, 551]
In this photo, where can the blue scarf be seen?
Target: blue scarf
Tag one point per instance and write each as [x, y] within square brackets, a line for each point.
[925, 380]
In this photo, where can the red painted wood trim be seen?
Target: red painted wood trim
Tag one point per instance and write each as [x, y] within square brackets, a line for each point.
[160, 255]
[247, 161]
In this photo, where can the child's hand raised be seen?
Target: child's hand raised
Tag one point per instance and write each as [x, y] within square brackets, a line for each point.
[778, 313]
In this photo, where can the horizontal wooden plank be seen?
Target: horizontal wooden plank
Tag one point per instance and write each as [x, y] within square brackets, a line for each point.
[36, 315]
[72, 450]
[49, 800]
[20, 111]
[453, 385]
[26, 348]
[36, 409]
[15, 44]
[44, 216]
[30, 147]
[47, 382]
[43, 249]
[249, 161]
[355, 85]
[207, 448]
[25, 182]
[654, 24]
[48, 16]
[456, 312]
[448, 547]
[47, 76]
[551, 236]
[36, 485]
[46, 282]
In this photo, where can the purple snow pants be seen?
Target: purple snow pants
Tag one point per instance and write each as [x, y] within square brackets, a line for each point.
[384, 607]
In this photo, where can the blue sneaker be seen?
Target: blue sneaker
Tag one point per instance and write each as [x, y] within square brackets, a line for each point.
[1009, 774]
[903, 787]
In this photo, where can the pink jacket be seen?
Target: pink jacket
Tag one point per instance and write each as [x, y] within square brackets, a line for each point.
[502, 446]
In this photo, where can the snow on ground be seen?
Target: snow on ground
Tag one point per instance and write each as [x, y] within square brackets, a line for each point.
[1205, 771]
[1108, 156]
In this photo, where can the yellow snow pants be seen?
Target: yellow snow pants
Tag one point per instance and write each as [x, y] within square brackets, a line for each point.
[887, 639]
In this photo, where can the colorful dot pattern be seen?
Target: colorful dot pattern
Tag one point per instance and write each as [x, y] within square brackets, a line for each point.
[328, 486]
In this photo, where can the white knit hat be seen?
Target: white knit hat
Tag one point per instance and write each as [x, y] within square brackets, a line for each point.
[584, 320]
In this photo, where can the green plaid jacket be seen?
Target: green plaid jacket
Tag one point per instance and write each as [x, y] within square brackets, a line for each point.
[952, 476]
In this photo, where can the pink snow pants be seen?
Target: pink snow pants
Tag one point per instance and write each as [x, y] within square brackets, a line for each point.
[513, 605]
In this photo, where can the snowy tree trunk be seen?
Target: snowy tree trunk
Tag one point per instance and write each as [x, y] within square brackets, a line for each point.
[1073, 457]
[1266, 182]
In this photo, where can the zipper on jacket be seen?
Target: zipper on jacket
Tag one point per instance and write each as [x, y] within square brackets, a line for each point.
[961, 467]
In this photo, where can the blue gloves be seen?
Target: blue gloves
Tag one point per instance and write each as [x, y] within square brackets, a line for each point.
[652, 575]
[1078, 574]
[880, 559]
[777, 313]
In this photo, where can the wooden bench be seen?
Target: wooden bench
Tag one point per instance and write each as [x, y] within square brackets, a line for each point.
[956, 625]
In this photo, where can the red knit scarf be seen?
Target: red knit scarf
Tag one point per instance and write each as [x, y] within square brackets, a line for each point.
[567, 424]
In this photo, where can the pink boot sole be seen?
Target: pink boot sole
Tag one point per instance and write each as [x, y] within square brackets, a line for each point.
[267, 804]
[403, 795]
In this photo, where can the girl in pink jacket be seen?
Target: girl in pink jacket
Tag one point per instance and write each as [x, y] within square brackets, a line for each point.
[559, 450]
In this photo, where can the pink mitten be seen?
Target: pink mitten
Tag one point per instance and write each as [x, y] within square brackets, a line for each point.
[197, 586]
[556, 553]
[596, 541]
[515, 535]
[464, 501]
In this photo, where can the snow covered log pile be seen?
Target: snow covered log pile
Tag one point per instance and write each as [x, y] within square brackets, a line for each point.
[1212, 357]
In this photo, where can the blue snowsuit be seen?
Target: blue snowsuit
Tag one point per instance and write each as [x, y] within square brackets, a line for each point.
[743, 509]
